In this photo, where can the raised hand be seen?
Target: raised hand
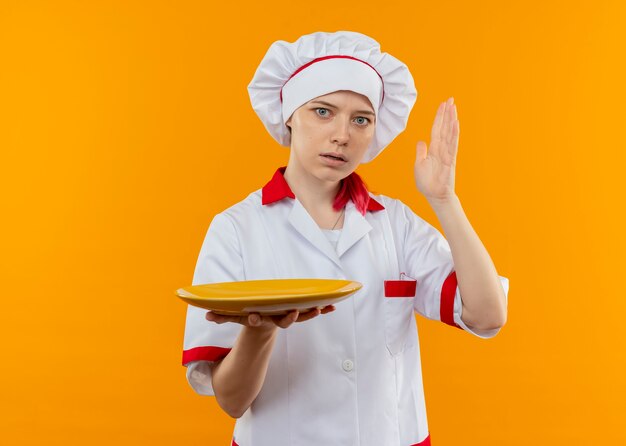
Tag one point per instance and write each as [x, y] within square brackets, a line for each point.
[435, 166]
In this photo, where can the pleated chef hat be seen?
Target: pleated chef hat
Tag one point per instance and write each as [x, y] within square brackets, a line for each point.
[292, 74]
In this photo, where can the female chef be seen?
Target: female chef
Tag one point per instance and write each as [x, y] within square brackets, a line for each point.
[348, 374]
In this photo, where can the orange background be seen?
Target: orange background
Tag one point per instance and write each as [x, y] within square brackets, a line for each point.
[125, 126]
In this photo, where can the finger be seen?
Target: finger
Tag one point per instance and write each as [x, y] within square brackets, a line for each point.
[221, 319]
[454, 144]
[447, 119]
[210, 316]
[437, 139]
[254, 319]
[453, 120]
[453, 136]
[308, 315]
[436, 130]
[288, 319]
[328, 309]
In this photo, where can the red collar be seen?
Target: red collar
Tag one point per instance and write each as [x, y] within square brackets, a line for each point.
[277, 189]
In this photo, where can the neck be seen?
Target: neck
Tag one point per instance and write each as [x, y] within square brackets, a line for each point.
[310, 190]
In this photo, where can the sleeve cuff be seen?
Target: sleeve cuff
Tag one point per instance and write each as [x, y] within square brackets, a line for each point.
[458, 311]
[208, 353]
[452, 306]
[199, 377]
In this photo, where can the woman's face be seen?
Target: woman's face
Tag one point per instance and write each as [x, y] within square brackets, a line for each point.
[341, 123]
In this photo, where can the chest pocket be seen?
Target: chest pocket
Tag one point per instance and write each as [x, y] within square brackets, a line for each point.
[399, 316]
[398, 294]
[400, 288]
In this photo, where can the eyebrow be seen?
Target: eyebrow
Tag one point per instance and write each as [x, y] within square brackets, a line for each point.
[328, 104]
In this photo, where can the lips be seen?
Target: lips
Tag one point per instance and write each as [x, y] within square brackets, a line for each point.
[334, 155]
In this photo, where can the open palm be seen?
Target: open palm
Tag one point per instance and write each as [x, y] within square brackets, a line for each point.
[435, 166]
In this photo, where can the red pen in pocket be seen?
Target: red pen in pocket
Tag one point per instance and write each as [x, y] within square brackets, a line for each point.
[401, 288]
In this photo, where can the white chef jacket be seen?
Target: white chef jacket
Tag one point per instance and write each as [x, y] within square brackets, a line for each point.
[350, 377]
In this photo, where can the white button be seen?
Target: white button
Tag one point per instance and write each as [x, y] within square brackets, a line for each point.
[347, 365]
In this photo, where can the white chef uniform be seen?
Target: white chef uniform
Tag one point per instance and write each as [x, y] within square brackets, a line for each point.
[350, 377]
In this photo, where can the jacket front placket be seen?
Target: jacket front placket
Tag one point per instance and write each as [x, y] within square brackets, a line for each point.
[355, 227]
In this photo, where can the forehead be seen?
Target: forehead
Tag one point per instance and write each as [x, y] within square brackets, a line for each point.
[345, 98]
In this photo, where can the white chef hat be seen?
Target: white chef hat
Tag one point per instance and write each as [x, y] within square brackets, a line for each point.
[292, 74]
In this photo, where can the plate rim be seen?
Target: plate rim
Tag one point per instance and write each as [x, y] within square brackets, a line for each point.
[349, 286]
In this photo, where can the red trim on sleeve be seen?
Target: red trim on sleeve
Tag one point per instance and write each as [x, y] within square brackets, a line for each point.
[204, 353]
[233, 443]
[446, 307]
[424, 442]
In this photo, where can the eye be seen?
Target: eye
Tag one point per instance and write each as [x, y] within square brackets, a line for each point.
[323, 112]
[362, 120]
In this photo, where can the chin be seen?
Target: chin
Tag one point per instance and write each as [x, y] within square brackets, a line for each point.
[334, 175]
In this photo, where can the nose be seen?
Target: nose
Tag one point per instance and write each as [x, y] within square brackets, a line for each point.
[341, 131]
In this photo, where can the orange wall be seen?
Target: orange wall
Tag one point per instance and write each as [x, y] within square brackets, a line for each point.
[125, 128]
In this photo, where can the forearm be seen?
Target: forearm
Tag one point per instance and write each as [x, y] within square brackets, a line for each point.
[238, 378]
[484, 302]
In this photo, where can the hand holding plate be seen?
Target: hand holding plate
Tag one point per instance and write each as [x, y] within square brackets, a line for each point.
[256, 320]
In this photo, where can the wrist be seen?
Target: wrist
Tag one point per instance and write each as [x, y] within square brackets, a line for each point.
[261, 334]
[442, 204]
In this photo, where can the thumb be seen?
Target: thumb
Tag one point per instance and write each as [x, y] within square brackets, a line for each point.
[421, 150]
[254, 319]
